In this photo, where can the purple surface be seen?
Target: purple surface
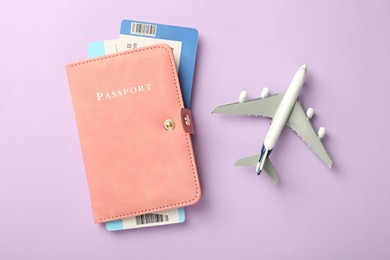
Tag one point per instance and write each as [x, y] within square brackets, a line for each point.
[315, 213]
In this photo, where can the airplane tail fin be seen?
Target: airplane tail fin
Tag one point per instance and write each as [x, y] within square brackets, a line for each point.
[253, 160]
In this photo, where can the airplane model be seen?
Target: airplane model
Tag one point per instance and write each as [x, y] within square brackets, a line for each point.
[284, 108]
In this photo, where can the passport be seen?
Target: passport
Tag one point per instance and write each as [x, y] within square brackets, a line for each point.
[165, 217]
[135, 133]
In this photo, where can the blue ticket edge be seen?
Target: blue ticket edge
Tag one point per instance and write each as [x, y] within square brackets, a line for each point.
[189, 39]
[118, 224]
[96, 49]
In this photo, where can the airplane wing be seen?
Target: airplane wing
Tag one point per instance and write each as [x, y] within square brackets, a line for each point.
[268, 167]
[256, 107]
[300, 124]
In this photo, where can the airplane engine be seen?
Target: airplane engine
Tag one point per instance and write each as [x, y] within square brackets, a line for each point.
[264, 92]
[309, 112]
[243, 96]
[321, 132]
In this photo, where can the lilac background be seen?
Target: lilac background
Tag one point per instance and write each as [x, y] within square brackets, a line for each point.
[315, 213]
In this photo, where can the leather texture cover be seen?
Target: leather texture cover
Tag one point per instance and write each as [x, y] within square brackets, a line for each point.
[137, 153]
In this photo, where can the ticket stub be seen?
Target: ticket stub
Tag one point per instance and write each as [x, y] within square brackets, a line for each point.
[148, 220]
[182, 39]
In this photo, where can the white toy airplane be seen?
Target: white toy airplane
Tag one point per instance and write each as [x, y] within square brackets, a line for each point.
[284, 108]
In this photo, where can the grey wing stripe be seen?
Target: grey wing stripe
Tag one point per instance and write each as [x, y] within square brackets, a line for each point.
[255, 107]
[300, 124]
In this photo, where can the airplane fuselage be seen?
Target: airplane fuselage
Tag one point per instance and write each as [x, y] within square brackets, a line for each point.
[281, 116]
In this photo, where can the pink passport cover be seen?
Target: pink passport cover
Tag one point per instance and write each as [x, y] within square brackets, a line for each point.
[133, 164]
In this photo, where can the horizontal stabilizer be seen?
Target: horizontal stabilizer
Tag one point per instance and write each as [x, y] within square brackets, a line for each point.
[270, 170]
[253, 160]
[248, 161]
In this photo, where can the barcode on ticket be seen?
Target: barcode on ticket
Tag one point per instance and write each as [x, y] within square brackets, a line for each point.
[144, 29]
[151, 218]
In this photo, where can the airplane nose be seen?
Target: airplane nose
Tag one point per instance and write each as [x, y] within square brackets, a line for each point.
[304, 67]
